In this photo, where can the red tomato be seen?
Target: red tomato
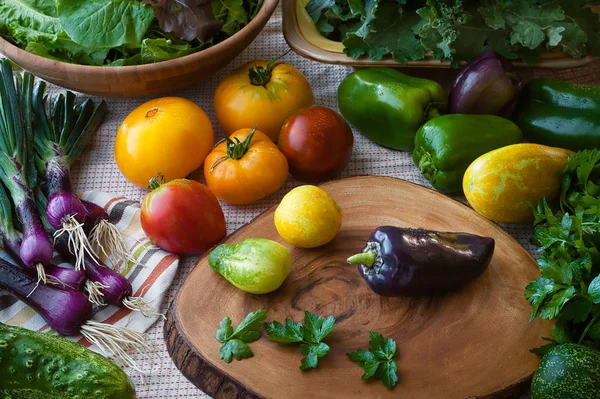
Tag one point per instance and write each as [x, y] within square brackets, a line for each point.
[317, 142]
[183, 217]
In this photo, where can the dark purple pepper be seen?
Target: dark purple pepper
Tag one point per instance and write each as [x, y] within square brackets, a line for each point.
[488, 85]
[413, 262]
[64, 309]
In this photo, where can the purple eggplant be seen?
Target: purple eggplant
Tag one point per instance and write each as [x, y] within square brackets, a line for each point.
[488, 85]
[414, 262]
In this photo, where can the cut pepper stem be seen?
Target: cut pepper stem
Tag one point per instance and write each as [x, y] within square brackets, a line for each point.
[366, 258]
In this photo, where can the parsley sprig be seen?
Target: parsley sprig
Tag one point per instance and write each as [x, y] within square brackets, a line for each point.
[568, 235]
[310, 334]
[235, 342]
[378, 361]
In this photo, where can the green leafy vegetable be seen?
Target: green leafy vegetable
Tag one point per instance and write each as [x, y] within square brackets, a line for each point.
[122, 32]
[235, 342]
[188, 19]
[310, 334]
[456, 31]
[105, 23]
[568, 236]
[378, 361]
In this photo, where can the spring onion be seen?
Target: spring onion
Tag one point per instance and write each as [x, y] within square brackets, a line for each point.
[63, 128]
[103, 283]
[17, 167]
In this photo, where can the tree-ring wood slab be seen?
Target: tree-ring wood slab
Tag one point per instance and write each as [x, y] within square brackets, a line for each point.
[471, 343]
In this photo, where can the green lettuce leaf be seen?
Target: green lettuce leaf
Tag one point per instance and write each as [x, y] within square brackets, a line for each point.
[105, 23]
[24, 20]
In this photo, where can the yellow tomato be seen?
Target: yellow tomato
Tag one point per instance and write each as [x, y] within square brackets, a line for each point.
[170, 135]
[308, 217]
[245, 168]
[264, 98]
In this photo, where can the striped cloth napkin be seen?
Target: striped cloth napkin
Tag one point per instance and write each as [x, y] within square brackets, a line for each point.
[150, 275]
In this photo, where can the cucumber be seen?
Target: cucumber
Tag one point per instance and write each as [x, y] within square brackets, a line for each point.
[38, 365]
[568, 371]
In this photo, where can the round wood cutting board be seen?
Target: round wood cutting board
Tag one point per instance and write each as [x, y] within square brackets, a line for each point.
[472, 343]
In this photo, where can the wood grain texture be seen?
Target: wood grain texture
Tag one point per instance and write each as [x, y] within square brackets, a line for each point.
[141, 80]
[471, 343]
[299, 41]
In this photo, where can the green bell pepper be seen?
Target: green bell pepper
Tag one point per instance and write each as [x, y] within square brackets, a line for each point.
[388, 106]
[560, 114]
[447, 145]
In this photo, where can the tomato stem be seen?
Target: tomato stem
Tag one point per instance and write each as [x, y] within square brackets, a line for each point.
[260, 76]
[235, 149]
[155, 182]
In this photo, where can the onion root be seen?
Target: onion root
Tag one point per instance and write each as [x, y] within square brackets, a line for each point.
[106, 238]
[78, 241]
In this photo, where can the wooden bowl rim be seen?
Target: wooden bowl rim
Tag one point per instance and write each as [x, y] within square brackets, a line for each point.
[265, 13]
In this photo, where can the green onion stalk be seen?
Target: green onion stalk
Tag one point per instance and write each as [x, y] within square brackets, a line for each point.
[17, 166]
[62, 130]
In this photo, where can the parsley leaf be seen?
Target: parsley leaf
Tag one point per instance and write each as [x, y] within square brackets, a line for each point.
[594, 290]
[378, 361]
[235, 342]
[312, 354]
[568, 235]
[310, 334]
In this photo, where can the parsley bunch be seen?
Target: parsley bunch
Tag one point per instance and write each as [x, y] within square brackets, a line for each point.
[310, 334]
[378, 361]
[568, 235]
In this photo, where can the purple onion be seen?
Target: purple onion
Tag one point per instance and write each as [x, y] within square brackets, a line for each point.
[61, 206]
[35, 248]
[488, 85]
[71, 277]
[116, 287]
[64, 309]
[93, 215]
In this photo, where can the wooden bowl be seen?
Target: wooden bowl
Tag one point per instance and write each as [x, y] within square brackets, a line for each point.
[141, 80]
[304, 38]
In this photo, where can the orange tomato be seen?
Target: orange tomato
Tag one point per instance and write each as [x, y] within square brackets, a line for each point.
[245, 168]
[263, 98]
[168, 135]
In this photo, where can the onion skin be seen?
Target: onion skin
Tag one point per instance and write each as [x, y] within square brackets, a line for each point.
[61, 206]
[71, 277]
[93, 215]
[487, 85]
[117, 286]
[64, 309]
[36, 247]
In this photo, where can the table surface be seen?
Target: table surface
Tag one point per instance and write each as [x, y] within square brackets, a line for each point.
[98, 171]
